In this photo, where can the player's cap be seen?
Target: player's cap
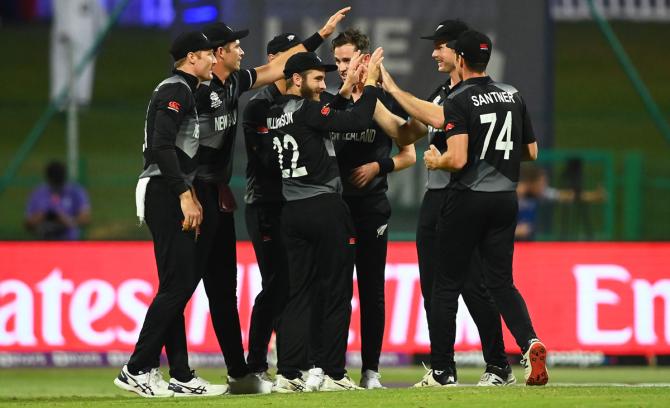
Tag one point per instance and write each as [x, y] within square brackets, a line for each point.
[190, 41]
[220, 34]
[304, 61]
[474, 46]
[447, 30]
[282, 42]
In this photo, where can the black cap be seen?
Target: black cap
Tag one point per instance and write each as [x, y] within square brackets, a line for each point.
[190, 41]
[447, 30]
[220, 34]
[474, 46]
[303, 61]
[282, 42]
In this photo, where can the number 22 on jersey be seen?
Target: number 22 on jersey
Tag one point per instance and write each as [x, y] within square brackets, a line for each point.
[504, 140]
[289, 144]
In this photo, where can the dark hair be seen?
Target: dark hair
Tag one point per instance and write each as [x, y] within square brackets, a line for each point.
[55, 174]
[477, 67]
[354, 37]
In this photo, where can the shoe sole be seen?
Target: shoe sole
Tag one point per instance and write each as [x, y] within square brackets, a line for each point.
[538, 365]
[184, 395]
[130, 388]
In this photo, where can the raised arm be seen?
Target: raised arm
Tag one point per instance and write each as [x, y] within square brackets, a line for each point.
[405, 132]
[424, 111]
[274, 70]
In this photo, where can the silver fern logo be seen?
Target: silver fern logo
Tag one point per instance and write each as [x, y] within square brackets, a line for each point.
[381, 230]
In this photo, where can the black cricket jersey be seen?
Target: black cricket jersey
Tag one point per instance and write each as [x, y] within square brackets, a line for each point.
[356, 148]
[495, 118]
[438, 178]
[300, 131]
[263, 174]
[217, 106]
[171, 132]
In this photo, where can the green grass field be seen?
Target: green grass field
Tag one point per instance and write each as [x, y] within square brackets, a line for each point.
[569, 387]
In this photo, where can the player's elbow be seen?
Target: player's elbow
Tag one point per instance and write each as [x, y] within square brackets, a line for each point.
[459, 164]
[436, 121]
[411, 156]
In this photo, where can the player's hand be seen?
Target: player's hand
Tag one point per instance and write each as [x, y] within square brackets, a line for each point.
[332, 22]
[354, 72]
[432, 158]
[192, 211]
[388, 83]
[373, 66]
[362, 175]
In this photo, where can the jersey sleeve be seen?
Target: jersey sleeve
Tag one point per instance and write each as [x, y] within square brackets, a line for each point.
[172, 103]
[393, 106]
[247, 79]
[454, 118]
[325, 118]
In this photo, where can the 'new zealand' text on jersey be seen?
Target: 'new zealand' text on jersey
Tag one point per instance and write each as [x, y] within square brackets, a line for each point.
[217, 107]
[300, 131]
[354, 149]
[171, 132]
[263, 175]
[439, 178]
[494, 117]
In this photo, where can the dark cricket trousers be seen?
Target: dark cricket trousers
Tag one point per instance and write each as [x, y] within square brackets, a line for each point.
[370, 215]
[470, 221]
[320, 245]
[217, 266]
[178, 276]
[217, 260]
[264, 227]
[475, 295]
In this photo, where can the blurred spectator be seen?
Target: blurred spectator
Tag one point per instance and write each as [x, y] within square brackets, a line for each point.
[56, 210]
[533, 189]
[75, 27]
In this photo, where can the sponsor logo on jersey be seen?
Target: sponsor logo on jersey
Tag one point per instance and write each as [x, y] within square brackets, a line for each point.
[484, 46]
[174, 105]
[449, 126]
[214, 98]
[352, 241]
[325, 111]
[262, 129]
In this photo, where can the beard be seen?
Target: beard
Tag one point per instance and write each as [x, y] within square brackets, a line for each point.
[310, 93]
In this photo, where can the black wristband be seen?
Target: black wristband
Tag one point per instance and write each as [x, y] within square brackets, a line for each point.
[386, 165]
[313, 42]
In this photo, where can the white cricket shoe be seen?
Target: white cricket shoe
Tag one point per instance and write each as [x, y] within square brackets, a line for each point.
[196, 387]
[145, 384]
[252, 383]
[283, 385]
[315, 377]
[495, 376]
[534, 362]
[429, 381]
[343, 384]
[370, 380]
